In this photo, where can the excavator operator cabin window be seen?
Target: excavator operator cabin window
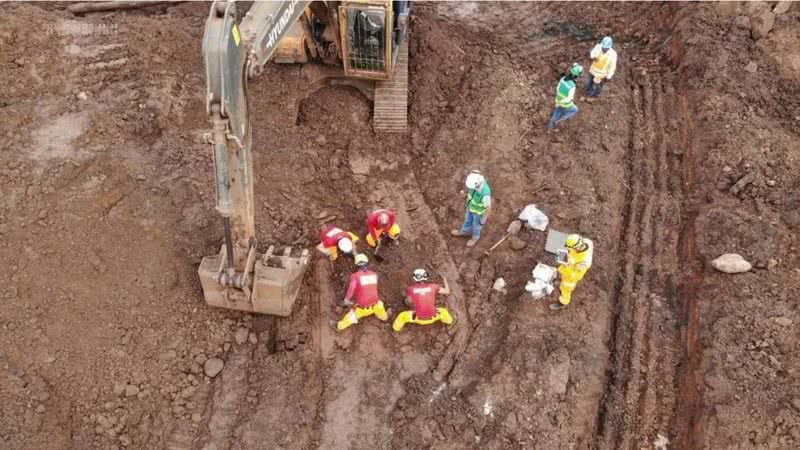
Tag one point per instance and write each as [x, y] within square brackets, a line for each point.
[366, 35]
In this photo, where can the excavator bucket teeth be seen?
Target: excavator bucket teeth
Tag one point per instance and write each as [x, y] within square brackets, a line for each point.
[390, 113]
[271, 288]
[277, 282]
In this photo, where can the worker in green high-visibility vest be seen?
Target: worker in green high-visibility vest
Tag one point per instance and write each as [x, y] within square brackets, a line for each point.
[478, 203]
[565, 96]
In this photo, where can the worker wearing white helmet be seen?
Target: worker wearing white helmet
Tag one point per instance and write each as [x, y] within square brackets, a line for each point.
[478, 204]
[334, 240]
[604, 63]
[579, 260]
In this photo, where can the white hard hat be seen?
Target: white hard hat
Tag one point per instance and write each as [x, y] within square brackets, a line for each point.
[345, 245]
[420, 275]
[474, 180]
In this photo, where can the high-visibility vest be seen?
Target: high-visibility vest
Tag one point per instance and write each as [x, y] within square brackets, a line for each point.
[565, 93]
[475, 199]
[604, 64]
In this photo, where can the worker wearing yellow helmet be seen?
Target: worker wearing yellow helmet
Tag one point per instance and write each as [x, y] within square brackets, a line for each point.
[579, 260]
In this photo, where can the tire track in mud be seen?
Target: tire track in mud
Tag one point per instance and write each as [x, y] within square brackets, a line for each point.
[640, 396]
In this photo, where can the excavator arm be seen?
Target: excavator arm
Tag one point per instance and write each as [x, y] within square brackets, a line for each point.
[238, 277]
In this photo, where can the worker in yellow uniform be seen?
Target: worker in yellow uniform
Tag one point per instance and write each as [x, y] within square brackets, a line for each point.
[604, 63]
[579, 260]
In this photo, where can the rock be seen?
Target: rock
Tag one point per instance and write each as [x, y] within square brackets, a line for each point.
[761, 24]
[772, 263]
[321, 140]
[781, 7]
[751, 67]
[517, 243]
[131, 390]
[731, 263]
[82, 95]
[784, 321]
[196, 417]
[791, 218]
[252, 338]
[796, 403]
[213, 367]
[119, 389]
[125, 440]
[559, 376]
[771, 183]
[743, 182]
[499, 285]
[40, 409]
[742, 22]
[240, 336]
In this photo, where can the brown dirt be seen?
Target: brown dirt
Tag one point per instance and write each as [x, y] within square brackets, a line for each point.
[107, 208]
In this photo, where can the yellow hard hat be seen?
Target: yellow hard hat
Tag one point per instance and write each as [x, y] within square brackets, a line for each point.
[361, 259]
[573, 240]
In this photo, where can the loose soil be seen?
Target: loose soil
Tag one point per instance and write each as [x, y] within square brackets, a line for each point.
[107, 209]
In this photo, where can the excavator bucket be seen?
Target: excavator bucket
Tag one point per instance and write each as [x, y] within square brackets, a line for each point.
[270, 284]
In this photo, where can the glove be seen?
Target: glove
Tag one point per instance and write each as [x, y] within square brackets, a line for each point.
[598, 80]
[347, 303]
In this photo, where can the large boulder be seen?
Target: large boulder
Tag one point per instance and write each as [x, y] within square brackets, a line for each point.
[761, 23]
[731, 263]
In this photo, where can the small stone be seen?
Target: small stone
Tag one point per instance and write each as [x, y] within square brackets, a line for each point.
[517, 243]
[761, 24]
[782, 7]
[784, 321]
[226, 346]
[40, 409]
[321, 140]
[241, 335]
[731, 263]
[82, 95]
[252, 338]
[196, 417]
[125, 440]
[213, 367]
[119, 389]
[772, 263]
[771, 183]
[751, 67]
[131, 390]
[796, 403]
[141, 177]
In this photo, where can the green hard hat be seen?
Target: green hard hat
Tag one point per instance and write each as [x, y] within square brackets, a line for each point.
[576, 69]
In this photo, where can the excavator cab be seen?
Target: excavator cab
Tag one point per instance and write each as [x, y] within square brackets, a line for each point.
[372, 32]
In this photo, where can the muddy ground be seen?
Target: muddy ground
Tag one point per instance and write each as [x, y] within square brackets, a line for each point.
[107, 209]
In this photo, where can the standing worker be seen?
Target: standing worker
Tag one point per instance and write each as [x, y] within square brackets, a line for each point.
[579, 260]
[335, 240]
[422, 295]
[364, 287]
[565, 96]
[478, 204]
[382, 223]
[604, 63]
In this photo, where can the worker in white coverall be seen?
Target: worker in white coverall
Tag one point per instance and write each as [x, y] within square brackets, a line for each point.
[604, 63]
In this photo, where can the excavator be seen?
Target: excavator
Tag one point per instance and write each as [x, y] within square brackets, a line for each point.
[362, 44]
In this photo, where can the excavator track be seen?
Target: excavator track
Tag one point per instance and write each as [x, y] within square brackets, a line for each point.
[390, 114]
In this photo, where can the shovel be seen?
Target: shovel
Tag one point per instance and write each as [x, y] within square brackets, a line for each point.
[513, 228]
[375, 254]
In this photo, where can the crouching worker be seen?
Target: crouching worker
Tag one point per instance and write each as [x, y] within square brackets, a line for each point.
[364, 287]
[422, 295]
[334, 239]
[579, 261]
[382, 223]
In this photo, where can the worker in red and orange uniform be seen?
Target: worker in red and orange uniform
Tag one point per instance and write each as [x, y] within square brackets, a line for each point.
[335, 240]
[364, 288]
[422, 295]
[380, 223]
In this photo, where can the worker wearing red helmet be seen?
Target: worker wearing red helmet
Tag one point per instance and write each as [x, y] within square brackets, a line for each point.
[364, 288]
[382, 222]
[334, 240]
[422, 295]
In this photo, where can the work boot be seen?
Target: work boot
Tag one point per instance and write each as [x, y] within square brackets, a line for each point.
[557, 306]
[457, 233]
[472, 242]
[333, 324]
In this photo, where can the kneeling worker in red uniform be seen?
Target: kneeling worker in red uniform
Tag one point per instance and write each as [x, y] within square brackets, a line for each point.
[380, 223]
[364, 287]
[334, 240]
[423, 296]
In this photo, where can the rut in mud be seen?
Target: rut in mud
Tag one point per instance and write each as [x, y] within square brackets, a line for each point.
[640, 397]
